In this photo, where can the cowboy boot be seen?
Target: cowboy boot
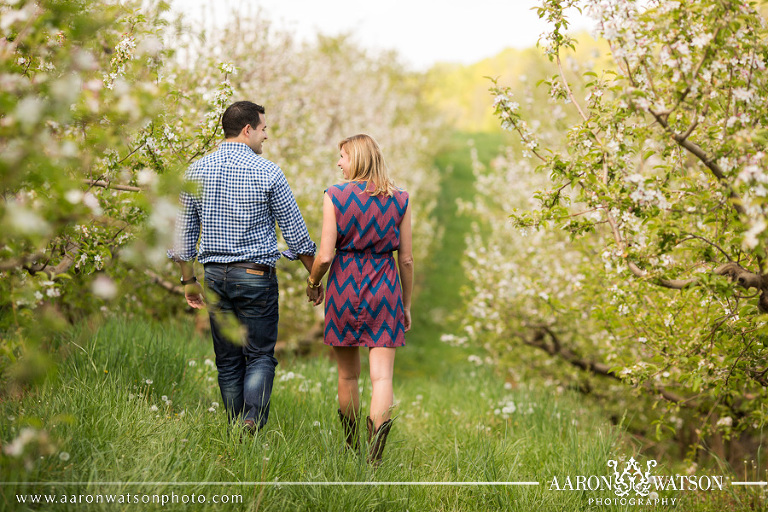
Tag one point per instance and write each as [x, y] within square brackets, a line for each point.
[350, 431]
[377, 439]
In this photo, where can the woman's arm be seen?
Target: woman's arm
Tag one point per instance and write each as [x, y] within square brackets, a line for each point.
[324, 255]
[405, 264]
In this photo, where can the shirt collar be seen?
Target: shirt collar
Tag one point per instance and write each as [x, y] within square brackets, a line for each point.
[234, 146]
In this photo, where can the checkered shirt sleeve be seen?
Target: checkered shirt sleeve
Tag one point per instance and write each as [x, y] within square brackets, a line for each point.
[290, 220]
[240, 197]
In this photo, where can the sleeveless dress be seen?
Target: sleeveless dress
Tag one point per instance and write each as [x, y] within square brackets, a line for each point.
[364, 304]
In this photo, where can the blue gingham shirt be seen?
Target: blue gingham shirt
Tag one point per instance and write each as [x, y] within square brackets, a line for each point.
[239, 197]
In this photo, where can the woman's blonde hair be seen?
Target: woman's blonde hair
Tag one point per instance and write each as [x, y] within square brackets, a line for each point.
[367, 164]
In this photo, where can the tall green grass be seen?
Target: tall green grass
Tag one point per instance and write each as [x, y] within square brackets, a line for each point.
[114, 426]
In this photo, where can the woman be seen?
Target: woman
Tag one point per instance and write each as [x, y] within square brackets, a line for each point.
[365, 218]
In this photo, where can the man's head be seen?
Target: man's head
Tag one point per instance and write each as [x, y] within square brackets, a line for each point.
[244, 121]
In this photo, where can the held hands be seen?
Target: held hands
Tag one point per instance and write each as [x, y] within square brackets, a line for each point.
[315, 295]
[194, 295]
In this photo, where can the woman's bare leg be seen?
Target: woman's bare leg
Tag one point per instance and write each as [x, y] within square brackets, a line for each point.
[382, 363]
[348, 361]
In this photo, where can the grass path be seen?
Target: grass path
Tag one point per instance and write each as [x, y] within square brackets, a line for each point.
[440, 279]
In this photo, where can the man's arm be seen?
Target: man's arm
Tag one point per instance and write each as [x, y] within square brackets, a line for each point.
[294, 229]
[184, 250]
[291, 222]
[307, 261]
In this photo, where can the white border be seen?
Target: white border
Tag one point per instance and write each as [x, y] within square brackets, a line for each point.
[278, 483]
[319, 484]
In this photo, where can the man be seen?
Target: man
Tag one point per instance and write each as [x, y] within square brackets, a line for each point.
[239, 197]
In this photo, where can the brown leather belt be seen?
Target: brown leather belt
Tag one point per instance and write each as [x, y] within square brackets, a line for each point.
[249, 266]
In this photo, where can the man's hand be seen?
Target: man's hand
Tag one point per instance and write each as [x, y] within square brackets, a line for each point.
[194, 295]
[315, 295]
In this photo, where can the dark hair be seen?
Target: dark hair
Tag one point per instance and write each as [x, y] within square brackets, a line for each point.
[239, 114]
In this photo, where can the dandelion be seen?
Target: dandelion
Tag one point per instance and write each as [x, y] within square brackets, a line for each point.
[214, 404]
[64, 456]
[153, 408]
[316, 423]
[211, 409]
[149, 382]
[192, 363]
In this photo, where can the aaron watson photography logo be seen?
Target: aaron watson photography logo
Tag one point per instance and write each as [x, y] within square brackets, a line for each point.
[634, 485]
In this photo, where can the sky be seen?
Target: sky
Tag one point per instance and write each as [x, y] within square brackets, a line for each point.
[423, 32]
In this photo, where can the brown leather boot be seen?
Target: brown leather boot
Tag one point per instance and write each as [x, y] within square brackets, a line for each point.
[377, 440]
[350, 431]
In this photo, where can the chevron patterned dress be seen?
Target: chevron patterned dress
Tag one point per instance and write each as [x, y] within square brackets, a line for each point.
[364, 304]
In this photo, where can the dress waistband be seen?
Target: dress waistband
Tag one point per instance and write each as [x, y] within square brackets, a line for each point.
[365, 254]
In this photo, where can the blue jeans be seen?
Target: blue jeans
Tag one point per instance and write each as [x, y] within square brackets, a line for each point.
[246, 371]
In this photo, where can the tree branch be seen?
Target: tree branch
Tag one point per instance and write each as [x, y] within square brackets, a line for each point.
[691, 235]
[70, 252]
[164, 283]
[21, 262]
[556, 349]
[741, 276]
[673, 284]
[568, 90]
[699, 153]
[114, 186]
